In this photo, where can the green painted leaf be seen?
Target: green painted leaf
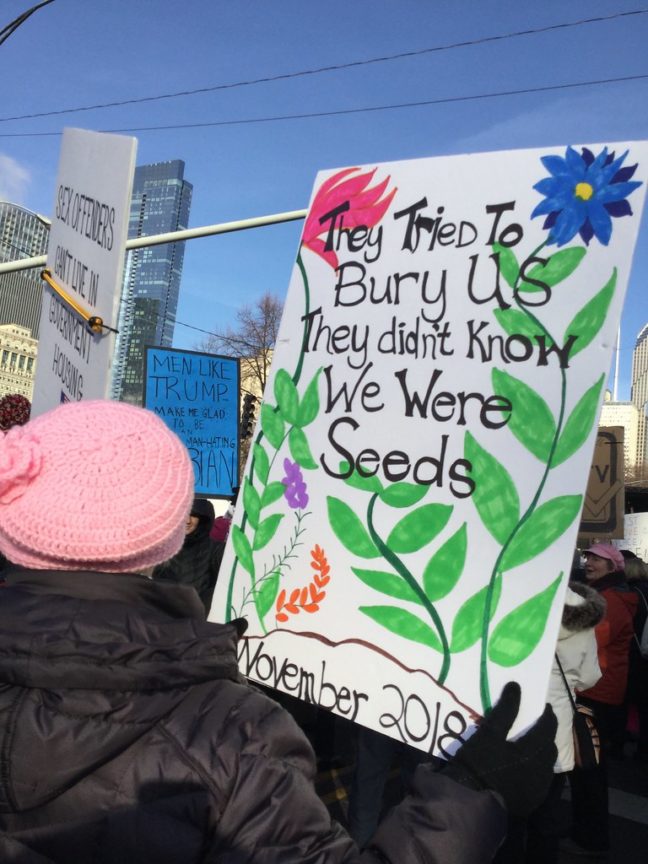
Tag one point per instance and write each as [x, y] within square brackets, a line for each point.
[495, 495]
[272, 425]
[518, 633]
[349, 530]
[445, 567]
[403, 494]
[300, 449]
[543, 527]
[309, 405]
[286, 396]
[243, 549]
[517, 323]
[357, 481]
[468, 624]
[266, 530]
[387, 583]
[261, 463]
[509, 268]
[579, 423]
[404, 624]
[415, 530]
[561, 265]
[531, 421]
[267, 594]
[252, 503]
[272, 493]
[587, 323]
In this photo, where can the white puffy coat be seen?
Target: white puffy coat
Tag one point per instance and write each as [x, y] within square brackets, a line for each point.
[576, 649]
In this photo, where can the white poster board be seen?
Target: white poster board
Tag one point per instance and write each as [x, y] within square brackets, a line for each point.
[635, 535]
[85, 257]
[409, 511]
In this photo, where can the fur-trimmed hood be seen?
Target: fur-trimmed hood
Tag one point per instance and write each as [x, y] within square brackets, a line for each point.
[583, 611]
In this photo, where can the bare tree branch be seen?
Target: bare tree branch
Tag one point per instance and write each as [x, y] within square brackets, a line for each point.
[252, 341]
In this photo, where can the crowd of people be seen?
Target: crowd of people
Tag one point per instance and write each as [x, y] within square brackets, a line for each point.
[128, 734]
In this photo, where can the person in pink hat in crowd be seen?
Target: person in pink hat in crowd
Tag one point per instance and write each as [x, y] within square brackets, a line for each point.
[222, 524]
[127, 733]
[604, 566]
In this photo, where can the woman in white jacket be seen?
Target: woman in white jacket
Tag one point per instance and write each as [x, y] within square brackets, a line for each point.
[577, 652]
[537, 841]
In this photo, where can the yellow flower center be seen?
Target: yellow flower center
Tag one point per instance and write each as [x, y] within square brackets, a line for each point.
[583, 191]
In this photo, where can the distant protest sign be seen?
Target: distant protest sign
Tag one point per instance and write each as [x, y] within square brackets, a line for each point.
[85, 257]
[602, 516]
[197, 395]
[410, 506]
[635, 535]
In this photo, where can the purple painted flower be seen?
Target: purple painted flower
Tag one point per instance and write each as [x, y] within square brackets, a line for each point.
[295, 494]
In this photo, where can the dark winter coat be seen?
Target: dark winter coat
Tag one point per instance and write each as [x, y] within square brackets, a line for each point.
[198, 562]
[128, 736]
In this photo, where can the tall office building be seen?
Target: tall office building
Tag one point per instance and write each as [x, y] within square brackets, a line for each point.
[160, 203]
[639, 393]
[23, 234]
[624, 414]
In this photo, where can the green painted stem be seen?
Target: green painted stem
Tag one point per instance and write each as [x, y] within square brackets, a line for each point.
[402, 570]
[484, 683]
[282, 561]
[300, 362]
[231, 612]
[295, 378]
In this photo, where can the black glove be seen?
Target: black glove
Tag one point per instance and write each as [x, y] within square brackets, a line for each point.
[520, 771]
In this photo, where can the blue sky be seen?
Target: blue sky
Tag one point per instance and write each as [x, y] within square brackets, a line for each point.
[75, 53]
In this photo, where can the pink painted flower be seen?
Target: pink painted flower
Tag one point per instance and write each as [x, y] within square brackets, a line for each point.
[20, 462]
[344, 201]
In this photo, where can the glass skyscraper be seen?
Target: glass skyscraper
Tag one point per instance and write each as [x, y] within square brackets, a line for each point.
[23, 234]
[639, 393]
[160, 203]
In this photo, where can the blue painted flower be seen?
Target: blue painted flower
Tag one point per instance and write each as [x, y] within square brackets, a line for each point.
[295, 493]
[583, 193]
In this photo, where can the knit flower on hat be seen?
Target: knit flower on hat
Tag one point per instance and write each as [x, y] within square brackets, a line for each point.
[14, 411]
[20, 462]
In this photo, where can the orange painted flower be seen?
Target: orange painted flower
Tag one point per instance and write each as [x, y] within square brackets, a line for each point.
[343, 201]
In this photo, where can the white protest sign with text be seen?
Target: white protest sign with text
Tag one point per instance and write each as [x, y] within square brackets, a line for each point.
[408, 514]
[635, 536]
[85, 257]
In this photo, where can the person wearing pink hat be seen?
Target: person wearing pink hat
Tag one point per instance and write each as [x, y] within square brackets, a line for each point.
[127, 733]
[604, 566]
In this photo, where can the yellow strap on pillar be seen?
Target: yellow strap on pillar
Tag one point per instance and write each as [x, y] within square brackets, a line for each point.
[94, 322]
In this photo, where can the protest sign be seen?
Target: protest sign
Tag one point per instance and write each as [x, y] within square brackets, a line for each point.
[602, 516]
[197, 395]
[410, 506]
[85, 256]
[635, 535]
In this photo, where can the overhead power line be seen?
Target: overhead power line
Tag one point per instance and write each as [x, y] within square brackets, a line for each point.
[11, 28]
[200, 329]
[363, 110]
[332, 68]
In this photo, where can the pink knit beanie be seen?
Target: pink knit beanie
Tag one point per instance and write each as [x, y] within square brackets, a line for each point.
[93, 485]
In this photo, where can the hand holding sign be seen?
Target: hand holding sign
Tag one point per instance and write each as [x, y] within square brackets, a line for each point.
[520, 771]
